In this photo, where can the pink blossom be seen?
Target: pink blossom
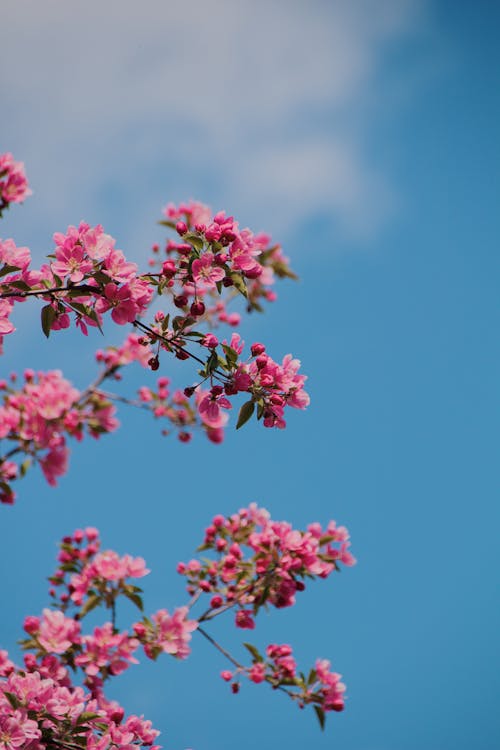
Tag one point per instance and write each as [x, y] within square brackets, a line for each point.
[205, 272]
[71, 260]
[57, 633]
[172, 633]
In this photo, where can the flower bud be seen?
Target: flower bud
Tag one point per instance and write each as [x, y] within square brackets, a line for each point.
[181, 300]
[197, 308]
[257, 349]
[154, 363]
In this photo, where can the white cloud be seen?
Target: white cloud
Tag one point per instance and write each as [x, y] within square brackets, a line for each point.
[257, 101]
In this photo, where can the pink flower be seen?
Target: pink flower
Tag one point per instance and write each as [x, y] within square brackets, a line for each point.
[57, 633]
[19, 257]
[172, 633]
[205, 272]
[257, 673]
[244, 619]
[210, 407]
[71, 260]
[13, 183]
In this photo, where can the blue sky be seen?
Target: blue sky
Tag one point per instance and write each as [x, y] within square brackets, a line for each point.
[364, 137]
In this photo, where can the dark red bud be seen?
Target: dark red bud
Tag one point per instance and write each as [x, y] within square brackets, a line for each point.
[197, 308]
[181, 227]
[181, 300]
[154, 363]
[257, 349]
[253, 273]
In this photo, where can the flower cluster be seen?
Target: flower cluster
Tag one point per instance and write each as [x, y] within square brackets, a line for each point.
[37, 711]
[87, 576]
[58, 698]
[259, 561]
[213, 252]
[166, 633]
[321, 688]
[210, 262]
[36, 419]
[13, 183]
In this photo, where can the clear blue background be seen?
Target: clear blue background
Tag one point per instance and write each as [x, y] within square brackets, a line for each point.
[365, 137]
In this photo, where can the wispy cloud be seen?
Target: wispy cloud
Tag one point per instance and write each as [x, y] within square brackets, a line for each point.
[256, 103]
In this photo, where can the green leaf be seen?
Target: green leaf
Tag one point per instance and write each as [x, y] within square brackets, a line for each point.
[260, 408]
[87, 716]
[231, 355]
[91, 603]
[8, 269]
[24, 467]
[47, 315]
[239, 283]
[255, 306]
[13, 699]
[246, 412]
[254, 652]
[194, 239]
[312, 677]
[135, 599]
[164, 223]
[213, 362]
[91, 313]
[283, 272]
[321, 716]
[19, 284]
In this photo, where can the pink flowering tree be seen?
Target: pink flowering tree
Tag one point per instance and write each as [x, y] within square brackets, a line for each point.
[178, 307]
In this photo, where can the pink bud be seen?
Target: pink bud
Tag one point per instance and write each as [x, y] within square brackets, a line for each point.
[181, 227]
[261, 361]
[197, 308]
[139, 629]
[257, 349]
[31, 624]
[181, 300]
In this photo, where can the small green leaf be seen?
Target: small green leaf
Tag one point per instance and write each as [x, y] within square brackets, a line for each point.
[91, 603]
[19, 284]
[134, 598]
[13, 699]
[213, 362]
[239, 283]
[47, 315]
[87, 716]
[24, 467]
[312, 677]
[260, 408]
[194, 239]
[164, 223]
[246, 412]
[231, 355]
[254, 652]
[8, 269]
[321, 716]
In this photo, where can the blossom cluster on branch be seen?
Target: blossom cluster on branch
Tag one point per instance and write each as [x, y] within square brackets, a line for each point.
[58, 697]
[209, 262]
